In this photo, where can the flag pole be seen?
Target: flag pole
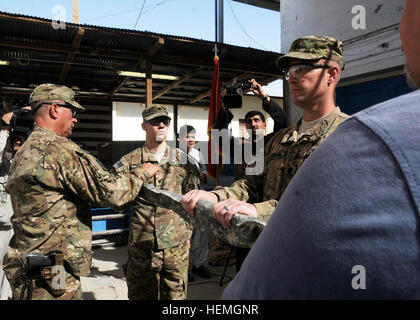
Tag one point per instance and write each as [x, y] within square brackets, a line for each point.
[215, 117]
[215, 111]
[218, 38]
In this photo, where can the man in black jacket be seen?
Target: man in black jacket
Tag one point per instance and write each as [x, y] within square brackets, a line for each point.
[254, 120]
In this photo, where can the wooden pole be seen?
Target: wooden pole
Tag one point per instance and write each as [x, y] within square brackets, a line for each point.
[149, 93]
[75, 5]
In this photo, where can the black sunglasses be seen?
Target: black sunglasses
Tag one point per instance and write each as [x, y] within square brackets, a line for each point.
[73, 109]
[156, 121]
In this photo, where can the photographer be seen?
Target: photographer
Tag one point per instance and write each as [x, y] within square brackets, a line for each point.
[271, 107]
[254, 120]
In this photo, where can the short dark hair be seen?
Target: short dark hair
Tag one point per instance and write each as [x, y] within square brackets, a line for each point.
[252, 113]
[186, 129]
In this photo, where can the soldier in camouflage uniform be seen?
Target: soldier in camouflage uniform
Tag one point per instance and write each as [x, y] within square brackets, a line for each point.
[158, 244]
[312, 68]
[52, 184]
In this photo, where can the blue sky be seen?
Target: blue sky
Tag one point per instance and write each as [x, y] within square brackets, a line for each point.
[244, 25]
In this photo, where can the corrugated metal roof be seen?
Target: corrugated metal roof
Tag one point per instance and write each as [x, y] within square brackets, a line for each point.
[88, 57]
[120, 32]
[266, 4]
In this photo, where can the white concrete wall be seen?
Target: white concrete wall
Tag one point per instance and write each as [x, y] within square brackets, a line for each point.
[127, 119]
[196, 117]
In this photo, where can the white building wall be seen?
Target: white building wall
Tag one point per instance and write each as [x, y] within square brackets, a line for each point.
[196, 117]
[127, 119]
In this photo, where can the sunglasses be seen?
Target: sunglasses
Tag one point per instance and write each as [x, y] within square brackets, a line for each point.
[156, 121]
[298, 70]
[73, 109]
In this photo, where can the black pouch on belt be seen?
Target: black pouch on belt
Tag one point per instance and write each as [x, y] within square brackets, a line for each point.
[55, 275]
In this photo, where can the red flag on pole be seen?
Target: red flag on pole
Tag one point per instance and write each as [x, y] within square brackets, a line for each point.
[214, 169]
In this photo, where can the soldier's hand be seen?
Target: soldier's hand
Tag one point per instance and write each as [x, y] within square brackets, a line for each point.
[150, 168]
[224, 211]
[190, 199]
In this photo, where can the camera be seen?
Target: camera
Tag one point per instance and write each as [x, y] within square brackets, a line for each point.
[38, 261]
[233, 96]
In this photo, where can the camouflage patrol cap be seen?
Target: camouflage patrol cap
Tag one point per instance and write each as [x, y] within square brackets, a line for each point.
[154, 111]
[312, 48]
[49, 92]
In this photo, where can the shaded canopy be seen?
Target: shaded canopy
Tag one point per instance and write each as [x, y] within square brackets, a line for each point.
[87, 58]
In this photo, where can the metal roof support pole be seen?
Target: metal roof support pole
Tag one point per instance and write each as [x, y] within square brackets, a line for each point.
[149, 93]
[219, 21]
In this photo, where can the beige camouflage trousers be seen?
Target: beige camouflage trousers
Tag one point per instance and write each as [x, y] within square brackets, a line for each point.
[42, 291]
[157, 275]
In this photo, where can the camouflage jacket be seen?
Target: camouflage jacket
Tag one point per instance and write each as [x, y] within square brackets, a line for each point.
[283, 155]
[52, 183]
[240, 168]
[163, 227]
